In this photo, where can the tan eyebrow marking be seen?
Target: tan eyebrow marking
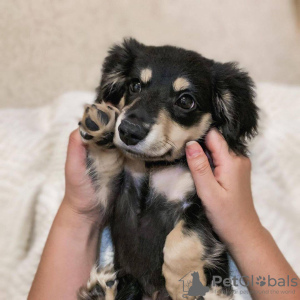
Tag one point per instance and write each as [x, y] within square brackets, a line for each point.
[180, 84]
[146, 75]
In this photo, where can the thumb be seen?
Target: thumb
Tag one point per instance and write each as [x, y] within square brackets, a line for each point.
[205, 182]
[76, 154]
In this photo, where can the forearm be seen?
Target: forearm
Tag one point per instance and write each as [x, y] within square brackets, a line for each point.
[226, 195]
[257, 254]
[72, 238]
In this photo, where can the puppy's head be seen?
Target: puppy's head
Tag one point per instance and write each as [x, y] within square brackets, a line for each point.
[169, 96]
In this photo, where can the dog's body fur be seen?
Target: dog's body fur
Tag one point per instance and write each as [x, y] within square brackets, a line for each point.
[159, 99]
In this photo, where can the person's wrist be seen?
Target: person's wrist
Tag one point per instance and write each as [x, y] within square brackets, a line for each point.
[249, 235]
[74, 217]
[75, 230]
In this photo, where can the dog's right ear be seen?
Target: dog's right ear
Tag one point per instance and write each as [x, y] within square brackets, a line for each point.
[234, 110]
[115, 70]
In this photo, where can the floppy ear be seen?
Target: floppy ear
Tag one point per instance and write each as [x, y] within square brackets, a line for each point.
[115, 70]
[235, 113]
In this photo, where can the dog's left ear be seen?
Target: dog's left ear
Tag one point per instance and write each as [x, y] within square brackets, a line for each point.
[235, 113]
[115, 70]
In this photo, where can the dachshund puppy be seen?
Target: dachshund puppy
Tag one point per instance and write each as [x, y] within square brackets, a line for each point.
[151, 101]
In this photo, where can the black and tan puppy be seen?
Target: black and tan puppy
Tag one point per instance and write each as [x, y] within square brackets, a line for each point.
[151, 102]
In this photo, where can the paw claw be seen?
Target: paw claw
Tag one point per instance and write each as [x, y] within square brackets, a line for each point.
[85, 135]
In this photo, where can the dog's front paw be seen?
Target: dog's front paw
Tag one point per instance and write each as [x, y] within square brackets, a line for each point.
[102, 285]
[98, 124]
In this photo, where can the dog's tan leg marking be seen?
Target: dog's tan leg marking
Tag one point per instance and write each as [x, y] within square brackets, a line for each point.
[183, 253]
[107, 163]
[97, 129]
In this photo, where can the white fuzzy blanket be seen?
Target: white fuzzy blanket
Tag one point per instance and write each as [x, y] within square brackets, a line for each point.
[32, 155]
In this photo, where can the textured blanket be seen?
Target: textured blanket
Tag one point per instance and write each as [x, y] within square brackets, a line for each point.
[32, 155]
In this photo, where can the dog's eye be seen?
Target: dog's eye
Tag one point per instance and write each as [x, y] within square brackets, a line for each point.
[135, 86]
[186, 102]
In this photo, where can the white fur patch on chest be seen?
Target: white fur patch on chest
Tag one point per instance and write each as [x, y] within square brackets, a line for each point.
[173, 182]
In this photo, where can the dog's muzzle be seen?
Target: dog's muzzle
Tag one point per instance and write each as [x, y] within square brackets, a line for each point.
[132, 132]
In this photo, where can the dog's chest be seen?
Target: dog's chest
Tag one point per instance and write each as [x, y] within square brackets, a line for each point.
[174, 183]
[151, 202]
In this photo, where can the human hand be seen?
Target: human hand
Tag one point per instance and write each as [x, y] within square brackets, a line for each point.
[79, 191]
[226, 191]
[72, 244]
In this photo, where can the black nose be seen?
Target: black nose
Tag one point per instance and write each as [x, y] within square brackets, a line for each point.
[132, 133]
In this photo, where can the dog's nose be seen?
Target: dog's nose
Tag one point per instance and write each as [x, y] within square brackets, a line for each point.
[132, 133]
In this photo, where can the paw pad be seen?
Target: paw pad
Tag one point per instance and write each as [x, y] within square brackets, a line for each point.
[101, 285]
[110, 283]
[103, 117]
[91, 125]
[97, 125]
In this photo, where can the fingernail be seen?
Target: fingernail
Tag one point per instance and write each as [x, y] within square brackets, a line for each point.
[214, 131]
[193, 149]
